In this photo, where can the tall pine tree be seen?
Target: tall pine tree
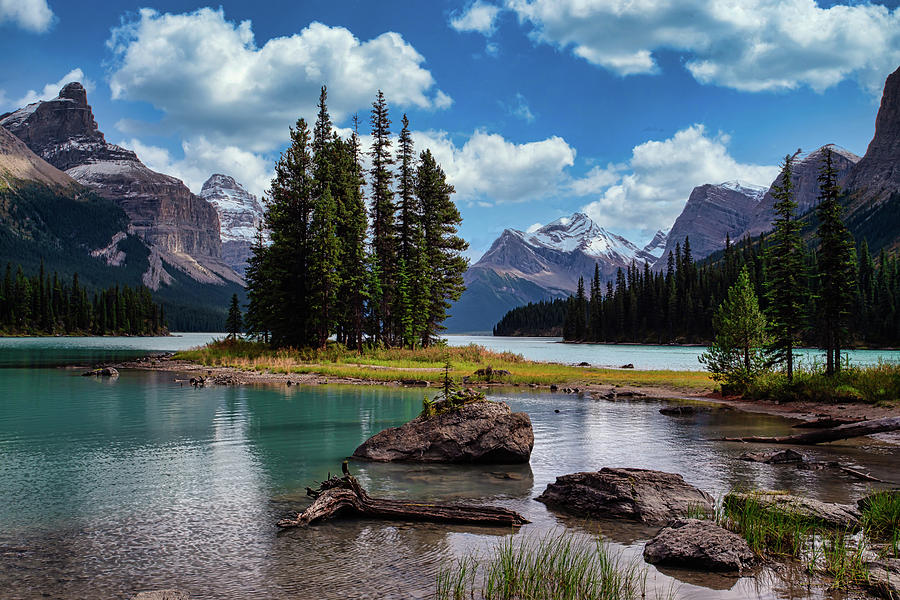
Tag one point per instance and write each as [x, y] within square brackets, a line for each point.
[384, 234]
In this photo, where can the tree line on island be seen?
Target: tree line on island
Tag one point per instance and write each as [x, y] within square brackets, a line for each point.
[46, 305]
[830, 295]
[381, 272]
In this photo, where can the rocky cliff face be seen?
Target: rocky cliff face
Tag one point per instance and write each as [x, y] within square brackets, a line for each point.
[180, 227]
[240, 215]
[877, 174]
[19, 164]
[711, 213]
[806, 186]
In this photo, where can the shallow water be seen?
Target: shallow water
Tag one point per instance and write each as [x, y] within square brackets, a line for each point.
[108, 487]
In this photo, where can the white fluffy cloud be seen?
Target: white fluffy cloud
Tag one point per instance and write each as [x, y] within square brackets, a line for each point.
[749, 45]
[649, 191]
[202, 159]
[478, 17]
[31, 15]
[209, 78]
[51, 90]
[489, 167]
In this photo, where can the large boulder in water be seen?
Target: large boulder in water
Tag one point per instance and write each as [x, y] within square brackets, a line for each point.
[699, 545]
[478, 432]
[652, 497]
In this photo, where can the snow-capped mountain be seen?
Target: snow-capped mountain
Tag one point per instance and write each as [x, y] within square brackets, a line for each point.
[240, 214]
[522, 267]
[655, 248]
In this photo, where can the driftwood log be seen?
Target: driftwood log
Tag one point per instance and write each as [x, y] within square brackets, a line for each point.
[345, 496]
[842, 432]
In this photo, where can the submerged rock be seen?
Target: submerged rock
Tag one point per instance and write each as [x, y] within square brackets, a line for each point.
[839, 516]
[774, 458]
[681, 411]
[102, 372]
[479, 432]
[652, 497]
[699, 545]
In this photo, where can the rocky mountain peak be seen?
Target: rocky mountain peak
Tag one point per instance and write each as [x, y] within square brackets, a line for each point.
[76, 92]
[181, 228]
[240, 215]
[879, 170]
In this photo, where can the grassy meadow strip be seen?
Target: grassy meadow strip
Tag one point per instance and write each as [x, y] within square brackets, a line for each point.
[876, 384]
[427, 364]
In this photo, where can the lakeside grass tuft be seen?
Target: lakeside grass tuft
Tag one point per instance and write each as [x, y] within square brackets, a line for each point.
[875, 384]
[554, 566]
[427, 364]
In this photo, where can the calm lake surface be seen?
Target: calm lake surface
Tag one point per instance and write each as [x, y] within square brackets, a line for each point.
[675, 358]
[109, 487]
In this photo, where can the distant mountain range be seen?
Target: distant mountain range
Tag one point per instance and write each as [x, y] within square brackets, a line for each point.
[520, 267]
[240, 215]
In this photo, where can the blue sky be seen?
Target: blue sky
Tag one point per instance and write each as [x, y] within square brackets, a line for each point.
[535, 108]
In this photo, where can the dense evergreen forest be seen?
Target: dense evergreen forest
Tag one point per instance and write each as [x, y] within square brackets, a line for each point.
[385, 275]
[544, 318]
[677, 305]
[46, 305]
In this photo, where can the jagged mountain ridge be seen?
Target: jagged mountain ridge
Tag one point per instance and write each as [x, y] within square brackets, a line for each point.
[240, 215]
[181, 229]
[711, 213]
[522, 267]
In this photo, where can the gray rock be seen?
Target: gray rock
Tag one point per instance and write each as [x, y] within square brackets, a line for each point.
[699, 545]
[774, 458]
[161, 595]
[884, 577]
[652, 497]
[840, 516]
[102, 372]
[480, 432]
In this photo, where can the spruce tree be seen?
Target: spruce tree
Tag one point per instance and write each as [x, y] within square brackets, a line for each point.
[444, 248]
[288, 211]
[786, 272]
[736, 355]
[323, 267]
[836, 267]
[384, 235]
[234, 321]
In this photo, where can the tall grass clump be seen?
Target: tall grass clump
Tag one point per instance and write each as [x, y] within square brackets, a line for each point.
[767, 529]
[844, 559]
[881, 514]
[555, 566]
[874, 384]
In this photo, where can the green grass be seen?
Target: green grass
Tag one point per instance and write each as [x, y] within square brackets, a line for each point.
[881, 514]
[767, 529]
[555, 566]
[426, 364]
[877, 384]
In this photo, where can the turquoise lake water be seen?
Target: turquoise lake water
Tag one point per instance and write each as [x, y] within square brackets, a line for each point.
[108, 487]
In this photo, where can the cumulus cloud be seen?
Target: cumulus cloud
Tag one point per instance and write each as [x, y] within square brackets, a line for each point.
[488, 167]
[478, 16]
[51, 90]
[31, 15]
[751, 45]
[203, 158]
[649, 191]
[209, 78]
